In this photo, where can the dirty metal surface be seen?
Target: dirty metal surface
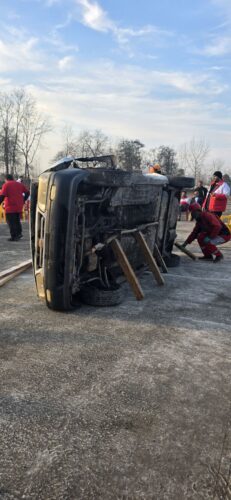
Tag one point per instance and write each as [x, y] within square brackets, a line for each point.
[128, 402]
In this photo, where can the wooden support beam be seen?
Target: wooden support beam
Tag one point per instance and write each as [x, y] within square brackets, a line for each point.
[127, 269]
[12, 272]
[160, 259]
[149, 259]
[185, 250]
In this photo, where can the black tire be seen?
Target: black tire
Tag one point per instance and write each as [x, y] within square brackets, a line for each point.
[94, 294]
[172, 260]
[182, 182]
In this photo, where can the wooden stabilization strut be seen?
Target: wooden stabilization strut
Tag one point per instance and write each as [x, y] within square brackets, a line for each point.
[14, 271]
[185, 250]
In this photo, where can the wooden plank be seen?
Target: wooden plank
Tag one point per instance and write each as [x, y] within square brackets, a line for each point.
[185, 250]
[15, 273]
[11, 270]
[127, 269]
[160, 259]
[149, 257]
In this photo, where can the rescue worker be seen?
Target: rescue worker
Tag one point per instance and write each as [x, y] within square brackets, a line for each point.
[216, 199]
[155, 169]
[209, 232]
[14, 194]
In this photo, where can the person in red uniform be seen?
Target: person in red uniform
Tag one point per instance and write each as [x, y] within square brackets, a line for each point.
[209, 232]
[217, 195]
[14, 194]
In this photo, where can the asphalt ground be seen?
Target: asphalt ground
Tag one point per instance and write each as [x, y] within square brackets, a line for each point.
[127, 402]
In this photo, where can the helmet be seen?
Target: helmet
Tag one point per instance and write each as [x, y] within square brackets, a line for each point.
[193, 207]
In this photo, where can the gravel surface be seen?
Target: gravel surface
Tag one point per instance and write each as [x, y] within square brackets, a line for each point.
[130, 402]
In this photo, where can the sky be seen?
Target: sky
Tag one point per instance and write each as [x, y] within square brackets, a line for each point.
[157, 71]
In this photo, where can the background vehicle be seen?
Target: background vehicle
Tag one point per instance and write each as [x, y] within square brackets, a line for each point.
[77, 206]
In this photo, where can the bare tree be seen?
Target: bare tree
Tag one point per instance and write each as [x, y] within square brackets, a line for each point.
[21, 130]
[216, 164]
[33, 126]
[92, 143]
[192, 156]
[19, 97]
[69, 144]
[69, 141]
[85, 144]
[6, 130]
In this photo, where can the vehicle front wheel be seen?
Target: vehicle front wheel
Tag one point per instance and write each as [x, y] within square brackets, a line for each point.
[95, 294]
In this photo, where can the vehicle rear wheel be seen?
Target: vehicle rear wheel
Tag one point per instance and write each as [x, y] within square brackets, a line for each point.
[95, 294]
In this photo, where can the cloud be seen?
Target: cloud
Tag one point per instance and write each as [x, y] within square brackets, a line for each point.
[94, 17]
[64, 24]
[132, 87]
[19, 55]
[66, 63]
[119, 114]
[220, 46]
[183, 82]
[56, 40]
[58, 43]
[5, 84]
[127, 101]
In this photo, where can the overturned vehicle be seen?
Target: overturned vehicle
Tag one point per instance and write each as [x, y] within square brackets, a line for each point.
[78, 207]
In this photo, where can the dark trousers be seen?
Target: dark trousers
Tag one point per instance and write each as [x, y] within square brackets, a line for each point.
[14, 223]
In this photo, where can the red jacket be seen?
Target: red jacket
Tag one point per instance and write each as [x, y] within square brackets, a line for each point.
[209, 224]
[13, 192]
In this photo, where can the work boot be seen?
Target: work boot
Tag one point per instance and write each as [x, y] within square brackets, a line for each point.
[12, 239]
[218, 258]
[206, 257]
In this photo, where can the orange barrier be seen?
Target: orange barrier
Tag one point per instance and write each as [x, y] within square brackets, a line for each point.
[25, 213]
[227, 220]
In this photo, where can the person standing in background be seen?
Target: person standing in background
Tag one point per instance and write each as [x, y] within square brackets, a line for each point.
[195, 198]
[184, 205]
[14, 194]
[202, 192]
[217, 196]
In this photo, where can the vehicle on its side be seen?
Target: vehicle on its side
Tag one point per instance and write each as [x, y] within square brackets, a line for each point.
[77, 207]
